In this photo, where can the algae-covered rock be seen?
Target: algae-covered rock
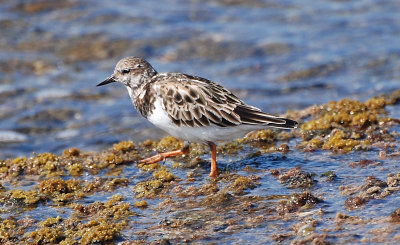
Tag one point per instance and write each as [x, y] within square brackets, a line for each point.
[345, 125]
[297, 201]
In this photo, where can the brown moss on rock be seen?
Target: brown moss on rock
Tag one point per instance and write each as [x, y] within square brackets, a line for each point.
[164, 175]
[355, 202]
[46, 235]
[114, 209]
[7, 230]
[339, 140]
[45, 165]
[220, 199]
[344, 125]
[395, 216]
[230, 147]
[110, 161]
[329, 176]
[60, 191]
[75, 169]
[373, 188]
[71, 152]
[99, 231]
[122, 153]
[50, 222]
[284, 148]
[124, 146]
[364, 163]
[296, 178]
[105, 222]
[29, 197]
[103, 184]
[242, 183]
[297, 201]
[264, 136]
[113, 183]
[55, 187]
[150, 188]
[169, 143]
[141, 204]
[192, 191]
[345, 113]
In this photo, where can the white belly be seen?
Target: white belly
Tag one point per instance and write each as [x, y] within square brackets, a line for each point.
[196, 134]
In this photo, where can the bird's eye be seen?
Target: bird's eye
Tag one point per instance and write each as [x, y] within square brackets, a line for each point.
[125, 71]
[139, 66]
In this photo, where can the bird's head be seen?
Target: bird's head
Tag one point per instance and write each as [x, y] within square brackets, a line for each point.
[131, 71]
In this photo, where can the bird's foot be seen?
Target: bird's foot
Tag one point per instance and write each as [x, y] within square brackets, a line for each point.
[214, 173]
[153, 159]
[164, 155]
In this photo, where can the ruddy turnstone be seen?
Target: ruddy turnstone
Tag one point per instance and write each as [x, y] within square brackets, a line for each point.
[190, 108]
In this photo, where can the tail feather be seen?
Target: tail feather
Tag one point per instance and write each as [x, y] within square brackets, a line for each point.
[288, 124]
[254, 116]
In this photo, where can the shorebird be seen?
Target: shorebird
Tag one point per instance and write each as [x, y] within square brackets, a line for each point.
[190, 108]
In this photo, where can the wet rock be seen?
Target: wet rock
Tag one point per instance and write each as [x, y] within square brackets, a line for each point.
[264, 136]
[243, 183]
[395, 216]
[355, 202]
[296, 201]
[51, 116]
[364, 163]
[347, 125]
[36, 67]
[283, 148]
[372, 189]
[317, 71]
[329, 176]
[219, 200]
[296, 178]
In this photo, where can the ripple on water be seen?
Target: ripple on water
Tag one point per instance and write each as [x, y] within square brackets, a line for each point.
[8, 136]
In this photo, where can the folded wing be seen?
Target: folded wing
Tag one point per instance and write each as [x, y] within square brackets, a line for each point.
[197, 102]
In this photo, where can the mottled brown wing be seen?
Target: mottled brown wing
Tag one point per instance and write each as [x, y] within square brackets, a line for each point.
[195, 101]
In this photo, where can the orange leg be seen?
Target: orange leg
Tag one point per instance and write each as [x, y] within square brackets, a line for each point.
[164, 155]
[214, 168]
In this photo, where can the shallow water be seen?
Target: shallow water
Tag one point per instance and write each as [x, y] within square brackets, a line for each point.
[276, 55]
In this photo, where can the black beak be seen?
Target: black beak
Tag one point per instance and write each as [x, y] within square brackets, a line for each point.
[107, 81]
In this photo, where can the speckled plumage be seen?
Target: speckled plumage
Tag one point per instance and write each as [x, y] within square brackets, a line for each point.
[189, 107]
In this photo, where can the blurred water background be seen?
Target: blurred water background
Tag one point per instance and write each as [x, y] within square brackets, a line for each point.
[277, 55]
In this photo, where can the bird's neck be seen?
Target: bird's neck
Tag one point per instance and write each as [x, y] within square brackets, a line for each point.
[141, 97]
[136, 88]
